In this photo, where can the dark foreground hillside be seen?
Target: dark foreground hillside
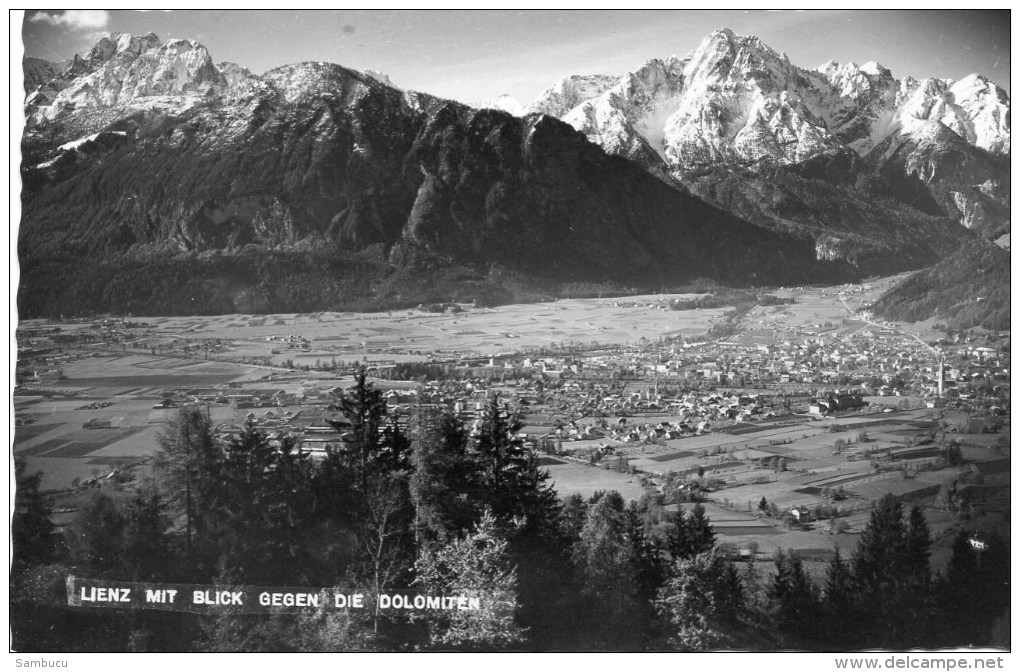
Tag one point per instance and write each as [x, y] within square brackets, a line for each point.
[968, 289]
[443, 509]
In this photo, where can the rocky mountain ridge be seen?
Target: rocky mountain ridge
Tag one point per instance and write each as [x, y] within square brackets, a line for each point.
[735, 98]
[147, 153]
[736, 102]
[38, 71]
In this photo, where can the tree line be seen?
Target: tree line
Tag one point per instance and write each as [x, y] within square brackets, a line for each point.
[445, 509]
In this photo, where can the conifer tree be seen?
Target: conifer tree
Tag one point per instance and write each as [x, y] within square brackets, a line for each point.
[690, 535]
[678, 541]
[188, 468]
[839, 604]
[245, 508]
[606, 562]
[95, 536]
[499, 451]
[995, 575]
[443, 485]
[33, 535]
[961, 593]
[364, 408]
[513, 485]
[648, 552]
[918, 546]
[795, 598]
[916, 591]
[699, 531]
[890, 577]
[881, 556]
[518, 492]
[147, 550]
[756, 605]
[571, 517]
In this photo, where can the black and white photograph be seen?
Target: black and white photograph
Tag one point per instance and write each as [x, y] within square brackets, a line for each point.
[518, 330]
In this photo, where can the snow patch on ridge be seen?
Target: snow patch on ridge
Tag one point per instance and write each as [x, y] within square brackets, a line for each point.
[653, 126]
[75, 144]
[506, 103]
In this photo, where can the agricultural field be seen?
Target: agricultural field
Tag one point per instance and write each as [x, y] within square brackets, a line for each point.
[828, 462]
[569, 478]
[817, 305]
[414, 335]
[115, 395]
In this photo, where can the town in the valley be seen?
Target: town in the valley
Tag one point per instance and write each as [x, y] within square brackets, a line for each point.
[549, 331]
[787, 419]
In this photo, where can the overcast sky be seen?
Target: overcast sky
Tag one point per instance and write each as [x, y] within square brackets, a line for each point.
[474, 56]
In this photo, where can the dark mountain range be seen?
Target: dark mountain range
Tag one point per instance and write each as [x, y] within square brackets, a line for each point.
[156, 181]
[850, 211]
[314, 159]
[968, 289]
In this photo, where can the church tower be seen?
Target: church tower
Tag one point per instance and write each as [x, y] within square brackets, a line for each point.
[942, 373]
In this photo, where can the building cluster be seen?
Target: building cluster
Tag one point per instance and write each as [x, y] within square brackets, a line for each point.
[595, 392]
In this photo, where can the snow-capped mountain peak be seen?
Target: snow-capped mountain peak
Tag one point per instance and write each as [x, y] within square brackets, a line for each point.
[382, 78]
[124, 69]
[506, 103]
[570, 92]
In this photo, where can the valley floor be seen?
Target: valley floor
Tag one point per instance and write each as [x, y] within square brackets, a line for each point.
[94, 396]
